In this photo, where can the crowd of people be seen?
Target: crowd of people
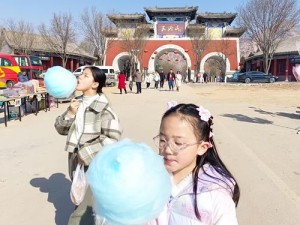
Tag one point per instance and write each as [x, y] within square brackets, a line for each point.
[203, 189]
[159, 78]
[174, 81]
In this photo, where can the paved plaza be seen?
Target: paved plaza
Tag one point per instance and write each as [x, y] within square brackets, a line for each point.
[255, 129]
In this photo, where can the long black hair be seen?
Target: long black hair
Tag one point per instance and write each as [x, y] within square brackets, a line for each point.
[203, 131]
[99, 77]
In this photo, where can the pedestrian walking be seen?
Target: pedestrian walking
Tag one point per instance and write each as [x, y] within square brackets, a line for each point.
[162, 78]
[122, 82]
[201, 79]
[147, 80]
[138, 80]
[130, 83]
[170, 78]
[205, 77]
[178, 80]
[156, 79]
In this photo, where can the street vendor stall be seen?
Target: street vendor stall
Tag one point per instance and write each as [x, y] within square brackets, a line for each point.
[23, 98]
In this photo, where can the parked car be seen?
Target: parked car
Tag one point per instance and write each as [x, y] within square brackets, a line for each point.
[78, 71]
[256, 76]
[111, 78]
[235, 76]
[108, 70]
[232, 77]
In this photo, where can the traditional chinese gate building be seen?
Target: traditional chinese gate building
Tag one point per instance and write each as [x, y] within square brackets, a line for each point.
[168, 43]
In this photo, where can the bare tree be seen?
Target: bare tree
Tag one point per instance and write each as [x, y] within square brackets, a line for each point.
[59, 35]
[268, 22]
[87, 46]
[2, 38]
[134, 41]
[295, 31]
[200, 41]
[247, 46]
[214, 69]
[94, 24]
[140, 35]
[225, 51]
[20, 35]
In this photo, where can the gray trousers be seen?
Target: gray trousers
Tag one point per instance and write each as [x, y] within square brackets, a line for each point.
[83, 214]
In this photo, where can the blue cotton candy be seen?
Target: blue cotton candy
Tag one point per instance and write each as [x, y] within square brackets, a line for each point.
[129, 182]
[60, 83]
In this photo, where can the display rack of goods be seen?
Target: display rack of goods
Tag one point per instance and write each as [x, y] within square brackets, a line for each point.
[27, 86]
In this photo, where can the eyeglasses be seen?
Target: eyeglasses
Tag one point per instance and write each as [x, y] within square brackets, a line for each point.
[162, 144]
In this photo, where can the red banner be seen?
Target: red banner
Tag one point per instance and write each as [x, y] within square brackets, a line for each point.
[173, 28]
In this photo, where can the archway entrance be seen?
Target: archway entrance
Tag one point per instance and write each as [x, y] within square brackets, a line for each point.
[216, 65]
[124, 64]
[170, 58]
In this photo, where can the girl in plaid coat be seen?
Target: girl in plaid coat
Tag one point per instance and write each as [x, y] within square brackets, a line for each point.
[89, 123]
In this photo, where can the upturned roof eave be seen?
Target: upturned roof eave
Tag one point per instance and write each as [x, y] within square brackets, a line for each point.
[260, 54]
[152, 12]
[229, 17]
[119, 17]
[238, 31]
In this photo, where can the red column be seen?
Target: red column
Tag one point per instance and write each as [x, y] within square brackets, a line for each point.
[286, 69]
[71, 65]
[275, 67]
[51, 61]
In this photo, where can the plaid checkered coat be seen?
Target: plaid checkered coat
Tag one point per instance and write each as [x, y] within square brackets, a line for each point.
[101, 127]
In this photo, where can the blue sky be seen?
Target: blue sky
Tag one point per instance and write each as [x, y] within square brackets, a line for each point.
[36, 12]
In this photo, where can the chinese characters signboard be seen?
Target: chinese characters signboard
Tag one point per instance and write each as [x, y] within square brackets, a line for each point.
[170, 28]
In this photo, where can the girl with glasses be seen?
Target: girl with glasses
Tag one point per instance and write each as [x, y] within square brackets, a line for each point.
[204, 191]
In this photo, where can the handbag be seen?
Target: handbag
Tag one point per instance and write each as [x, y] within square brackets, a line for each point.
[79, 185]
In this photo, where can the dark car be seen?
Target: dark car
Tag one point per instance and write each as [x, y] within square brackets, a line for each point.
[233, 77]
[256, 76]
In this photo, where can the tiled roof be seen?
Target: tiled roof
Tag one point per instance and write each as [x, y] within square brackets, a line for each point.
[217, 15]
[287, 46]
[237, 32]
[115, 18]
[127, 16]
[39, 45]
[174, 11]
[226, 17]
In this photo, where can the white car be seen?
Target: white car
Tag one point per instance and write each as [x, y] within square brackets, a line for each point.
[109, 71]
[111, 78]
[78, 71]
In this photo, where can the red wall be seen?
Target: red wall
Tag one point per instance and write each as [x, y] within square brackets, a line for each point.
[115, 47]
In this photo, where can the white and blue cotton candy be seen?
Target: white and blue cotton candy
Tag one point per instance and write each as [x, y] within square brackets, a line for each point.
[60, 82]
[129, 182]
